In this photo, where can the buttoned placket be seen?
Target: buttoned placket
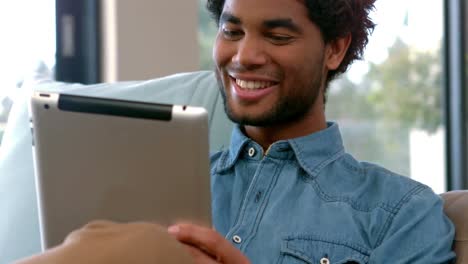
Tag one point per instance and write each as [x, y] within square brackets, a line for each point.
[254, 202]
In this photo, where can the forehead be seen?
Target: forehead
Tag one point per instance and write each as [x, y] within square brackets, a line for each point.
[251, 10]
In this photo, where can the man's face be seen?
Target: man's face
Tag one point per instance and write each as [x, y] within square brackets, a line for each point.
[269, 61]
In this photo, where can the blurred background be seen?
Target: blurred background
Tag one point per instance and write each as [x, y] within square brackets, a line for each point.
[403, 106]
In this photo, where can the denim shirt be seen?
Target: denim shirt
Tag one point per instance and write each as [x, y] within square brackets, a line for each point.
[307, 201]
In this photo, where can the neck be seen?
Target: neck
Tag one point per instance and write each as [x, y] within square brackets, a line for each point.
[265, 136]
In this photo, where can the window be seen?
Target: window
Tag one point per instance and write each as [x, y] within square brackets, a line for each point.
[28, 45]
[465, 39]
[389, 106]
[206, 33]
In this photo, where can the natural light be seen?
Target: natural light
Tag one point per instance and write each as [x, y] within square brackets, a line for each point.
[28, 40]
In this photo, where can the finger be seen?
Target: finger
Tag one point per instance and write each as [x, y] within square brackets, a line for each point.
[207, 240]
[199, 256]
[200, 237]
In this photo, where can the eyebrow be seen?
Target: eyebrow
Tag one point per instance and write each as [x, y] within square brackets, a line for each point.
[230, 18]
[286, 23]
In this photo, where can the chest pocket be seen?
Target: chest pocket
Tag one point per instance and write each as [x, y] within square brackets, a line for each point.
[310, 250]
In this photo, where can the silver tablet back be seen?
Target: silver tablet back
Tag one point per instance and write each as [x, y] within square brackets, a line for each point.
[117, 160]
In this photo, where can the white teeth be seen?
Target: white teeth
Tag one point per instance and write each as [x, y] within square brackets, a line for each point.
[252, 85]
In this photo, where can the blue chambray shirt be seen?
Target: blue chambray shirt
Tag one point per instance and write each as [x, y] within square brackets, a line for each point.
[307, 201]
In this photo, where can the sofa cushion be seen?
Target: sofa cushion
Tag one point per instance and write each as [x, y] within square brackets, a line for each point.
[456, 208]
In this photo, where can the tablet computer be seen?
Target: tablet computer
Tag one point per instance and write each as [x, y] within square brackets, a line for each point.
[117, 160]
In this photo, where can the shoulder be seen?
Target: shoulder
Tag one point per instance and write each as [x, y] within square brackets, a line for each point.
[369, 185]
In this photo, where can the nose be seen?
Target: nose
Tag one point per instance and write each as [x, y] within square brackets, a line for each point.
[250, 53]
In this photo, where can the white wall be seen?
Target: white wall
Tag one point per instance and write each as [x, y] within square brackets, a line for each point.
[144, 39]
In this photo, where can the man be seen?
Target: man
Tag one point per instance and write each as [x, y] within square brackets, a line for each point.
[286, 191]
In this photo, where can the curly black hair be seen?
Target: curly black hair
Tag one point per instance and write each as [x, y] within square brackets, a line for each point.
[336, 19]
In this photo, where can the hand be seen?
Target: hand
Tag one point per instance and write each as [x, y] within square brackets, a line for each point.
[206, 245]
[117, 243]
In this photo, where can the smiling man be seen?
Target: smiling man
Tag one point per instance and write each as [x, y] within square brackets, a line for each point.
[286, 191]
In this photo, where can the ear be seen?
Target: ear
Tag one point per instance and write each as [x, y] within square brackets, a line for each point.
[336, 50]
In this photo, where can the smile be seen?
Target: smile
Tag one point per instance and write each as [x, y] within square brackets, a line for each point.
[253, 85]
[252, 89]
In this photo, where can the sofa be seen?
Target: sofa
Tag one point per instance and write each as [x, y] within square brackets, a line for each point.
[19, 232]
[456, 207]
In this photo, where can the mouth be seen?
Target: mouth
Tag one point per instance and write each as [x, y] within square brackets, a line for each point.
[252, 81]
[253, 85]
[252, 88]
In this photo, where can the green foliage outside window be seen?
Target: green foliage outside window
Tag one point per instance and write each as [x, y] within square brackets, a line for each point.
[206, 33]
[408, 87]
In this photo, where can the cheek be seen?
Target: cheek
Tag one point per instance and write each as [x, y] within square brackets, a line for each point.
[307, 64]
[294, 67]
[222, 52]
[300, 72]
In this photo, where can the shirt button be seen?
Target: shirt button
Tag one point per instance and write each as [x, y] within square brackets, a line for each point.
[251, 152]
[324, 261]
[237, 239]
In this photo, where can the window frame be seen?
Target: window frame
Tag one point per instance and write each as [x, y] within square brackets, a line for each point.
[455, 95]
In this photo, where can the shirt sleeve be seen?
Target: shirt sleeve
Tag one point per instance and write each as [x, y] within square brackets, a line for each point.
[419, 232]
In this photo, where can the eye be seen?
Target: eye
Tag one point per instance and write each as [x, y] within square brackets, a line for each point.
[280, 39]
[230, 34]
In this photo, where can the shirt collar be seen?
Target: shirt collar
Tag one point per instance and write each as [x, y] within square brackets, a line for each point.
[317, 150]
[313, 152]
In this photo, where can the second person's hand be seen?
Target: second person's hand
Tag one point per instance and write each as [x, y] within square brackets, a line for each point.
[206, 245]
